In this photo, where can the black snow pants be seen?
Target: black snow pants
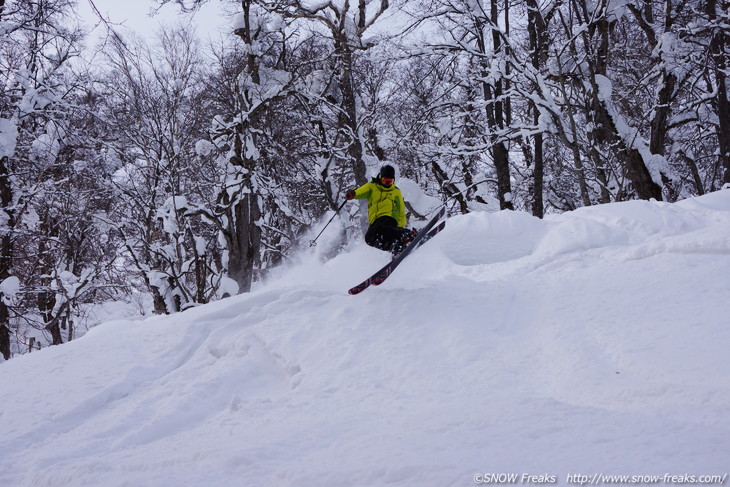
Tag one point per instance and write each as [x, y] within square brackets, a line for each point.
[385, 234]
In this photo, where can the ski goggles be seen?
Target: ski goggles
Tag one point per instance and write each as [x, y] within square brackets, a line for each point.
[387, 181]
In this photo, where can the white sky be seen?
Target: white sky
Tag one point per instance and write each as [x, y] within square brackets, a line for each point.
[211, 21]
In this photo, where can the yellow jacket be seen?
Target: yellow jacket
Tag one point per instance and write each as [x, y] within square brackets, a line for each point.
[383, 201]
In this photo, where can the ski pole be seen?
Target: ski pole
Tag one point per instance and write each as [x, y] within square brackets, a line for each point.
[314, 242]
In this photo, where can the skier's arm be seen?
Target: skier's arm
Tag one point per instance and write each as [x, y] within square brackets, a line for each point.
[362, 192]
[401, 210]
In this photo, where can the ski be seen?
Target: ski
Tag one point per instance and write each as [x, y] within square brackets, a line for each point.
[423, 235]
[378, 280]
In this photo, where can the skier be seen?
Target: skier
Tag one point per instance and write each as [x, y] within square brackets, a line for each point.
[386, 212]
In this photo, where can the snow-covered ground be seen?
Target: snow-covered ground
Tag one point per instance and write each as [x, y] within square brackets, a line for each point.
[594, 342]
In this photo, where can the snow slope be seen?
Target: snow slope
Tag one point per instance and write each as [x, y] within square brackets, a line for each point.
[593, 342]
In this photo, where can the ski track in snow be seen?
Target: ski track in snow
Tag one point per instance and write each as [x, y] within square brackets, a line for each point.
[592, 341]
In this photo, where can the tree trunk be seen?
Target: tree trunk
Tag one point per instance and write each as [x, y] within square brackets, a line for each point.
[662, 110]
[537, 29]
[242, 234]
[606, 132]
[244, 243]
[723, 114]
[159, 306]
[629, 157]
[494, 106]
[6, 252]
[4, 333]
[449, 188]
[667, 82]
[54, 328]
[694, 171]
[348, 117]
[718, 49]
[538, 172]
[504, 185]
[55, 331]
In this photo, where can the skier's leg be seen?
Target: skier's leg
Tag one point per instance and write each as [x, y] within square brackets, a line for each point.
[379, 235]
[401, 239]
[385, 234]
[395, 238]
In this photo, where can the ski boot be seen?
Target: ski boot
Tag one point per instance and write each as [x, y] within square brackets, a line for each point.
[406, 238]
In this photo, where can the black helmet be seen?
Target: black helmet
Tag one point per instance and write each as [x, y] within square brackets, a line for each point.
[387, 171]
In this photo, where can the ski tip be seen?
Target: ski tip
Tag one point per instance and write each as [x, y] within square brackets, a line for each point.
[355, 290]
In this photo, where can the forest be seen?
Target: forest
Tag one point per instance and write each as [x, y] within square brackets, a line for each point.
[172, 172]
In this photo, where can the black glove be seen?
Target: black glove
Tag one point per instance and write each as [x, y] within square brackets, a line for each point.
[350, 194]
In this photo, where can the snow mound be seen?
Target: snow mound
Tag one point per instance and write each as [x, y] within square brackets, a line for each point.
[592, 341]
